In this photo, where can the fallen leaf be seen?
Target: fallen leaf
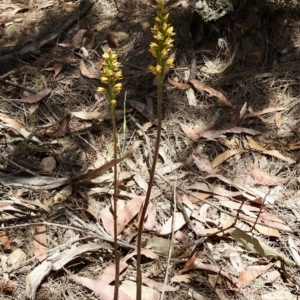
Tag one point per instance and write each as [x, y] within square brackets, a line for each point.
[214, 134]
[179, 221]
[186, 278]
[107, 166]
[37, 97]
[86, 72]
[158, 285]
[143, 109]
[40, 245]
[4, 240]
[179, 85]
[278, 120]
[225, 155]
[90, 115]
[248, 275]
[104, 291]
[295, 250]
[295, 146]
[213, 189]
[69, 254]
[129, 287]
[35, 277]
[234, 258]
[83, 35]
[63, 127]
[194, 263]
[141, 182]
[204, 165]
[254, 145]
[264, 178]
[268, 110]
[201, 86]
[151, 215]
[130, 210]
[192, 133]
[117, 39]
[254, 245]
[203, 212]
[109, 274]
[190, 94]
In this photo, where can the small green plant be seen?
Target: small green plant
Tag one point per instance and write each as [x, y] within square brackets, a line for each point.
[160, 49]
[110, 76]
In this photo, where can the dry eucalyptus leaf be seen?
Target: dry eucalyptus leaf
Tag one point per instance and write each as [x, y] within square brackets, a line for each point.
[225, 155]
[263, 177]
[37, 97]
[201, 86]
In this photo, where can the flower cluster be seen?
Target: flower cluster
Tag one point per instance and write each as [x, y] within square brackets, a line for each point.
[162, 32]
[111, 73]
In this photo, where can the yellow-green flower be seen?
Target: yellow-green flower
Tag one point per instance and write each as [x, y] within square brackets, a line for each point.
[162, 32]
[110, 74]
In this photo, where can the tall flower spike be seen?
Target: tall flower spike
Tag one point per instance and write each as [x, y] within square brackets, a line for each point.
[162, 32]
[111, 73]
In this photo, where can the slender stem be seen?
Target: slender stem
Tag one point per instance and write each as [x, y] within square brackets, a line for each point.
[115, 215]
[150, 184]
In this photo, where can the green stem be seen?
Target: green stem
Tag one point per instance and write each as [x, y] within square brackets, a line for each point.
[150, 184]
[115, 215]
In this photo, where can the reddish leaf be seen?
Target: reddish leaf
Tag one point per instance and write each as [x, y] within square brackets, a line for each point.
[86, 72]
[192, 133]
[4, 241]
[63, 127]
[263, 177]
[179, 85]
[40, 242]
[158, 285]
[104, 291]
[204, 165]
[247, 276]
[37, 97]
[268, 110]
[201, 86]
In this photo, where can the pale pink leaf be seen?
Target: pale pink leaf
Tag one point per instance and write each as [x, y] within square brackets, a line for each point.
[179, 221]
[263, 177]
[109, 274]
[158, 285]
[107, 220]
[37, 97]
[201, 86]
[104, 291]
[203, 212]
[86, 72]
[148, 253]
[192, 133]
[151, 214]
[204, 165]
[247, 276]
[268, 110]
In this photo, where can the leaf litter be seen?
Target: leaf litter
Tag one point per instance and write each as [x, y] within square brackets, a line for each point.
[253, 207]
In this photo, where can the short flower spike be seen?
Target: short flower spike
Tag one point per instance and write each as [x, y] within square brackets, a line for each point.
[111, 73]
[162, 32]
